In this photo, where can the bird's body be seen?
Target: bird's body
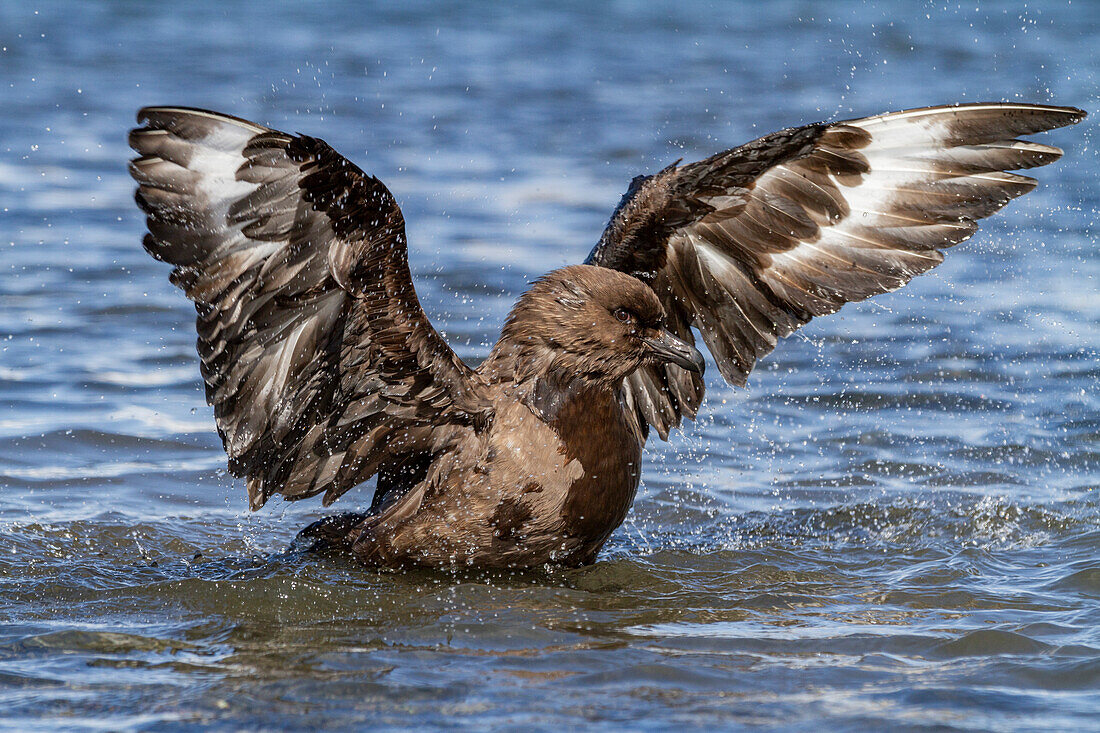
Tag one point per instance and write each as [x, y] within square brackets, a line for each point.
[324, 371]
[549, 478]
[527, 491]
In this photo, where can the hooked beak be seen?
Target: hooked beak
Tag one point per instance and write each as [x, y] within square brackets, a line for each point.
[667, 347]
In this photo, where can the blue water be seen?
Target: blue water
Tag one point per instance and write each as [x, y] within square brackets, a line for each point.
[895, 526]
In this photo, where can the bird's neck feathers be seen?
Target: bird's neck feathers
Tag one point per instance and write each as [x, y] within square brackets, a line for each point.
[529, 362]
[546, 363]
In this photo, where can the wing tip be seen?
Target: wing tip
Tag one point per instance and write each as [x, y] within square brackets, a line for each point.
[1076, 114]
[147, 115]
[1069, 116]
[1042, 117]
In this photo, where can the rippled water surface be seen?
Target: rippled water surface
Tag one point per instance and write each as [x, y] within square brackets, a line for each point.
[896, 525]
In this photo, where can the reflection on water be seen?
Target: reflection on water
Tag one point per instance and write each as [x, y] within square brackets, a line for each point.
[895, 525]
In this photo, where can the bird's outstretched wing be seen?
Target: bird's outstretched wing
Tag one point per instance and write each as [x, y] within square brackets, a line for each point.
[751, 243]
[318, 359]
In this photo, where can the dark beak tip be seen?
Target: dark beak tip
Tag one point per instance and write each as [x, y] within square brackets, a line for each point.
[693, 362]
[698, 364]
[670, 348]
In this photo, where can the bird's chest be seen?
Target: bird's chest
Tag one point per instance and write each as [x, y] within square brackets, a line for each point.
[598, 500]
[578, 471]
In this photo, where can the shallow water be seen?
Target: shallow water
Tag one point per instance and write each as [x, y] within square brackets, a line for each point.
[895, 526]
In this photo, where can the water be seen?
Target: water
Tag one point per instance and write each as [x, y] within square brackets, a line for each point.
[895, 526]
